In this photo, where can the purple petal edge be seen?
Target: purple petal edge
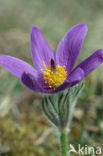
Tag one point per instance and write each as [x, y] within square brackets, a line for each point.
[92, 62]
[70, 46]
[29, 81]
[16, 66]
[40, 50]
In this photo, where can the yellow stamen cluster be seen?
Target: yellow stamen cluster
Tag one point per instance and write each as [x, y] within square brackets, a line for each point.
[54, 78]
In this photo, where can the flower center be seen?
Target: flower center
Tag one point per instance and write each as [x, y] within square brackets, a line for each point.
[54, 75]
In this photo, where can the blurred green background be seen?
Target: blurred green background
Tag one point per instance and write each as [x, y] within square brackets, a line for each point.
[23, 128]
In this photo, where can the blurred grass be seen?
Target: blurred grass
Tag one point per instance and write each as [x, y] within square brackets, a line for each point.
[23, 128]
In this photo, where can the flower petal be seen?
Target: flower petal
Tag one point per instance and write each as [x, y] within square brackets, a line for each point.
[70, 46]
[29, 81]
[75, 77]
[40, 49]
[16, 66]
[36, 85]
[92, 62]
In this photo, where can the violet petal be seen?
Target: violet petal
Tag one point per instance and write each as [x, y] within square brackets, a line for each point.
[75, 77]
[70, 46]
[29, 81]
[16, 66]
[92, 62]
[40, 50]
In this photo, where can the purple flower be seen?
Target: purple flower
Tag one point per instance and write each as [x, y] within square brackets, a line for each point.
[53, 73]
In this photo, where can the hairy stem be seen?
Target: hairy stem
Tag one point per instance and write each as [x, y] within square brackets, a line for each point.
[63, 143]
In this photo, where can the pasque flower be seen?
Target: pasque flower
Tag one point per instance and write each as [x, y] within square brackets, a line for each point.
[53, 72]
